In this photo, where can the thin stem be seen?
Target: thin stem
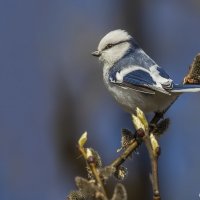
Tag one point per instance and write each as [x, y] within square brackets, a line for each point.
[154, 166]
[127, 152]
[97, 177]
[95, 172]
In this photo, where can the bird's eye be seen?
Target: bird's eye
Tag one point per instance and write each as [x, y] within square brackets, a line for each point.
[108, 46]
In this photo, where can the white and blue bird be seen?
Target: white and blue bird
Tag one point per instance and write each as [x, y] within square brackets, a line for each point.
[133, 78]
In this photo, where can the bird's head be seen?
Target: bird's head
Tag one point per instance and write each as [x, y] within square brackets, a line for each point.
[113, 46]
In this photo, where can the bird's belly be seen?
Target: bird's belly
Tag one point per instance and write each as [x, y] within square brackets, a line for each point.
[130, 99]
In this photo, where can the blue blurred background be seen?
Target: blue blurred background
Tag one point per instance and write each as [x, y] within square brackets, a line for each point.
[52, 90]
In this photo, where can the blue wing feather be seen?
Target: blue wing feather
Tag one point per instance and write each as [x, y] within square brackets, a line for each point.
[139, 76]
[139, 80]
[162, 73]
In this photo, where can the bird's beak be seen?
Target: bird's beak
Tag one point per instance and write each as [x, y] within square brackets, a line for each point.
[96, 53]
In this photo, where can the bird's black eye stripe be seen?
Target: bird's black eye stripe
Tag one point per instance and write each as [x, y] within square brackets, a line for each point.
[108, 46]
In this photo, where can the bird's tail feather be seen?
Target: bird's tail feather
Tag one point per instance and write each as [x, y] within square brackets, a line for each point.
[185, 88]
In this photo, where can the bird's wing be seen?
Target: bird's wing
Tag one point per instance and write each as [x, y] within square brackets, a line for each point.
[142, 80]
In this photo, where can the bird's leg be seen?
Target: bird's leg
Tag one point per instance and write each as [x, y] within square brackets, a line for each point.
[153, 123]
[157, 117]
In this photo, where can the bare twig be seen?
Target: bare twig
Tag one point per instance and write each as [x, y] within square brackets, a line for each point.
[89, 158]
[152, 147]
[127, 152]
[153, 155]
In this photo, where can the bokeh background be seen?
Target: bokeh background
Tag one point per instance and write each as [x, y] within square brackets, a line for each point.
[52, 91]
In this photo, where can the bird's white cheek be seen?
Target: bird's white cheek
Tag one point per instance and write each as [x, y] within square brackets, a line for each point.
[119, 51]
[105, 58]
[102, 59]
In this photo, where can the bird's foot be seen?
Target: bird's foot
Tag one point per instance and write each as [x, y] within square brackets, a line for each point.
[159, 128]
[153, 127]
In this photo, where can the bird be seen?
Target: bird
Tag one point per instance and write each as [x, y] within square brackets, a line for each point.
[133, 78]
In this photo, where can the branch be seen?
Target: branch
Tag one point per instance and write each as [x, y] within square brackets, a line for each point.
[154, 152]
[91, 162]
[153, 149]
[133, 144]
[127, 152]
[94, 188]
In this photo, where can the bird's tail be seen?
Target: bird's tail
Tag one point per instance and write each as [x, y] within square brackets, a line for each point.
[185, 88]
